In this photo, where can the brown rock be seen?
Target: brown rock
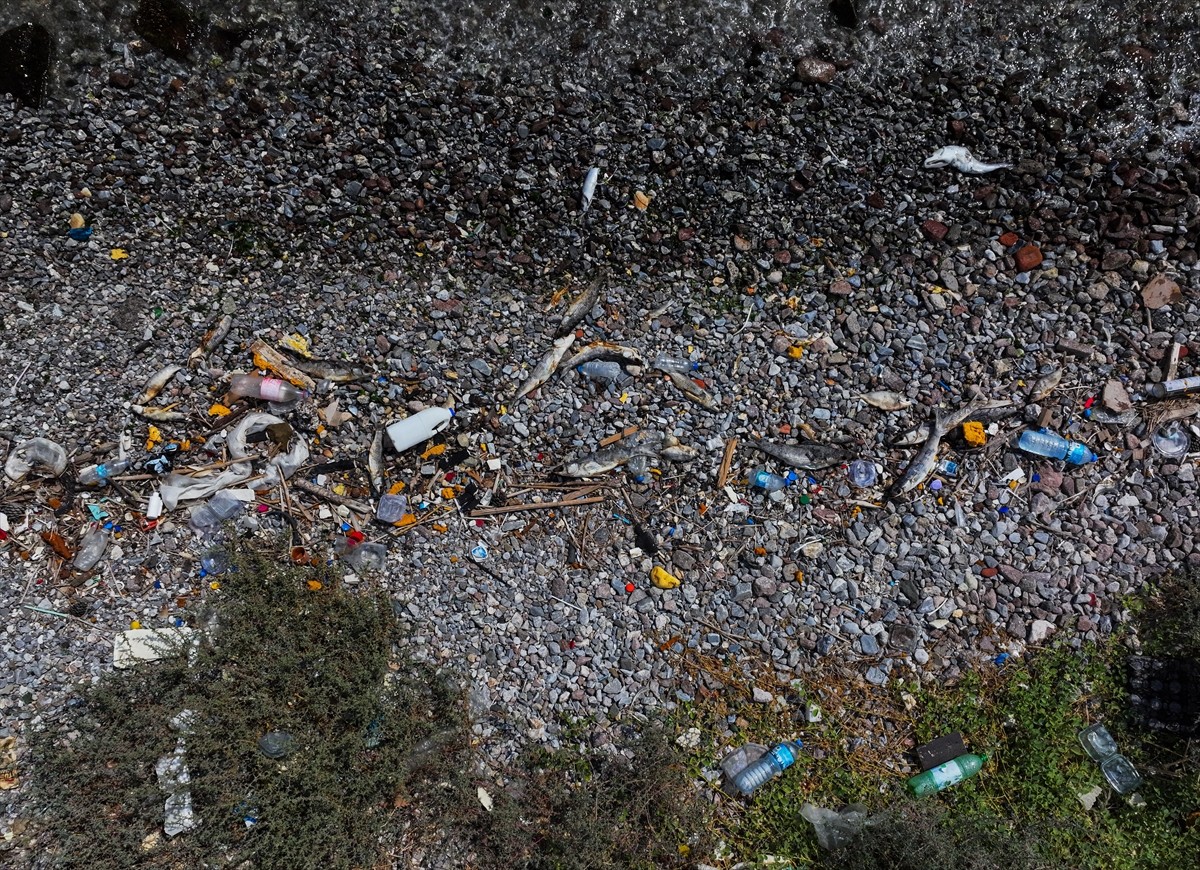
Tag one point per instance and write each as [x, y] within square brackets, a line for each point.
[1029, 257]
[118, 78]
[1159, 291]
[815, 71]
[1008, 239]
[841, 288]
[741, 244]
[935, 231]
[1115, 260]
[876, 200]
[1115, 397]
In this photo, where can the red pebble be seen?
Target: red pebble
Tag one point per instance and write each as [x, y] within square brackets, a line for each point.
[629, 587]
[1029, 257]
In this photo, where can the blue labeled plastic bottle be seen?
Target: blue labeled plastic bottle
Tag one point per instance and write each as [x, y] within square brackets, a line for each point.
[1055, 447]
[777, 759]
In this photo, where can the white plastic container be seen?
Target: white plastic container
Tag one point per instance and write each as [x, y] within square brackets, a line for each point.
[418, 428]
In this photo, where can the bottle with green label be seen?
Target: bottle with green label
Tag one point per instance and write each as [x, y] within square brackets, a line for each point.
[945, 775]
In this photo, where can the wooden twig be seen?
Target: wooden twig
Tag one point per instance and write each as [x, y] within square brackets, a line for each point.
[330, 496]
[613, 439]
[534, 506]
[726, 462]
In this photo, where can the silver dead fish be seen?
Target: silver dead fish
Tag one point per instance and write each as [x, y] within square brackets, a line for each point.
[957, 157]
[648, 444]
[211, 339]
[886, 400]
[546, 367]
[606, 350]
[589, 188]
[1045, 385]
[579, 308]
[694, 391]
[324, 370]
[806, 457]
[160, 415]
[155, 385]
[918, 470]
[375, 461]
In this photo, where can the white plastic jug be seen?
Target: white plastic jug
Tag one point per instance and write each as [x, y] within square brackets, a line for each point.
[418, 428]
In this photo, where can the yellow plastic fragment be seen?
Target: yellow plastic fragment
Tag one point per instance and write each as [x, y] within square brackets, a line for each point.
[298, 343]
[435, 450]
[407, 520]
[135, 625]
[119, 254]
[396, 488]
[440, 527]
[315, 585]
[448, 492]
[795, 351]
[218, 410]
[153, 437]
[973, 433]
[662, 578]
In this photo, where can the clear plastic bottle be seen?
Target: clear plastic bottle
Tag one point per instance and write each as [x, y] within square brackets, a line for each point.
[775, 761]
[638, 466]
[603, 371]
[768, 482]
[667, 363]
[214, 560]
[1055, 447]
[862, 473]
[98, 475]
[91, 548]
[270, 389]
[216, 510]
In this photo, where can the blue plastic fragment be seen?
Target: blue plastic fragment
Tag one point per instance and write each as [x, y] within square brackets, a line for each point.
[80, 234]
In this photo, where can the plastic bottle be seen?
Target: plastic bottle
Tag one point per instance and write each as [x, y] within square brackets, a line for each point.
[216, 510]
[862, 473]
[98, 475]
[391, 508]
[637, 467]
[945, 775]
[214, 560]
[270, 389]
[769, 482]
[1171, 389]
[91, 548]
[666, 363]
[604, 371]
[418, 428]
[1055, 447]
[777, 759]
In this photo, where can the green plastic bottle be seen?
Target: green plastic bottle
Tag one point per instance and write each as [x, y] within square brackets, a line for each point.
[945, 775]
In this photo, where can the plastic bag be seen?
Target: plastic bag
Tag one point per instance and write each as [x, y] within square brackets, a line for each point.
[36, 452]
[835, 828]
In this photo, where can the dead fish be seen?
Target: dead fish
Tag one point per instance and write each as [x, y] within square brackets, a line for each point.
[546, 367]
[806, 457]
[694, 391]
[579, 308]
[589, 188]
[606, 350]
[1045, 385]
[679, 453]
[375, 461]
[324, 370]
[211, 339]
[604, 459]
[913, 437]
[886, 400]
[160, 415]
[918, 470]
[985, 414]
[155, 385]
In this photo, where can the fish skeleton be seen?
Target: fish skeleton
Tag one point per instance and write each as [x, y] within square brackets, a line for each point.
[957, 157]
[155, 385]
[211, 339]
[589, 188]
[546, 367]
[579, 308]
[159, 415]
[806, 457]
[694, 391]
[606, 350]
[1045, 385]
[375, 461]
[324, 370]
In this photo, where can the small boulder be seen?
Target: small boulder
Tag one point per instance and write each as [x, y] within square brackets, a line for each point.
[815, 71]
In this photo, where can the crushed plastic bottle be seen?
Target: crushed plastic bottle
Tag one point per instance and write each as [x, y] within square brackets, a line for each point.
[99, 475]
[91, 548]
[768, 482]
[667, 363]
[862, 473]
[1048, 444]
[270, 389]
[945, 775]
[366, 557]
[214, 560]
[418, 428]
[602, 371]
[221, 507]
[391, 508]
[35, 453]
[777, 759]
[638, 467]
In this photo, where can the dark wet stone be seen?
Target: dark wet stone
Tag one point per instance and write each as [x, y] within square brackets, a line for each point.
[846, 13]
[25, 63]
[168, 26]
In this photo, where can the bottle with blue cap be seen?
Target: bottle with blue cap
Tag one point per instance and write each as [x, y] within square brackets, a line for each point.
[1042, 443]
[768, 482]
[775, 761]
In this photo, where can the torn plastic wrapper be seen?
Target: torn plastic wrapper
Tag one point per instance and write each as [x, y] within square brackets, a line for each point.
[36, 453]
[181, 487]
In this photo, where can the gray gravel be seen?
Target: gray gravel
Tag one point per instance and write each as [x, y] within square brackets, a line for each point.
[414, 216]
